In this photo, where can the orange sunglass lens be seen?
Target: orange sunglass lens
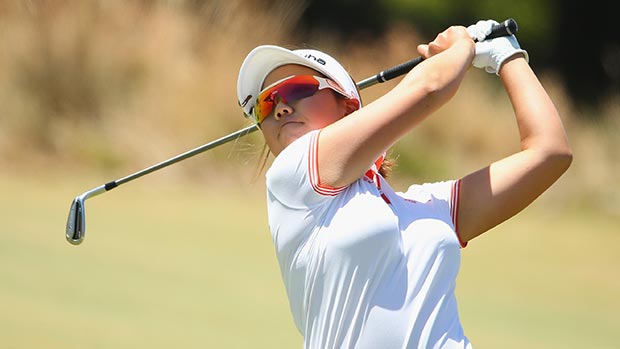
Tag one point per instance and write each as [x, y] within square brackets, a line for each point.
[290, 90]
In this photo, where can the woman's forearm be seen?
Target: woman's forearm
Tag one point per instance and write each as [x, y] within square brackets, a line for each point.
[540, 127]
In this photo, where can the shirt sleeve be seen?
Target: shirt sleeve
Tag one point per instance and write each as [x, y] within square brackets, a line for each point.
[293, 178]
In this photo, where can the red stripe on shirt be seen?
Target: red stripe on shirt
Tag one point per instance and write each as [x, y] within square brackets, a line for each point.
[313, 169]
[454, 208]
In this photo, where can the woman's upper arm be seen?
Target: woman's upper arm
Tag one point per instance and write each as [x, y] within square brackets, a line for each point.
[497, 192]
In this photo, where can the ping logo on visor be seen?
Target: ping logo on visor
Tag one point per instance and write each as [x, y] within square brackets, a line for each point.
[289, 90]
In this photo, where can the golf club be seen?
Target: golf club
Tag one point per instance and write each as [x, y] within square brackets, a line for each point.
[76, 222]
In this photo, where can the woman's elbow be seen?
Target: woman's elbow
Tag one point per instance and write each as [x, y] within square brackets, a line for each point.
[554, 157]
[561, 158]
[564, 153]
[554, 151]
[566, 159]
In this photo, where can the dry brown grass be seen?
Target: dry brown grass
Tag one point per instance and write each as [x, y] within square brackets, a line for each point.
[112, 86]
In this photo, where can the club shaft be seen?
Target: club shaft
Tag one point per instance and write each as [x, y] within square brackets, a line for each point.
[181, 157]
[76, 225]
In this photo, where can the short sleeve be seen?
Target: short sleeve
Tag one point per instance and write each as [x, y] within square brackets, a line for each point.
[445, 196]
[293, 178]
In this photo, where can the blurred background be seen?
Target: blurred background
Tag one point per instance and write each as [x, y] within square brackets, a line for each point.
[91, 91]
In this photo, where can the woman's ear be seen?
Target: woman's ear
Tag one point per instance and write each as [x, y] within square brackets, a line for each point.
[352, 104]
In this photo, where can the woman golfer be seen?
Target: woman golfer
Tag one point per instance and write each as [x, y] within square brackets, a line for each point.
[364, 266]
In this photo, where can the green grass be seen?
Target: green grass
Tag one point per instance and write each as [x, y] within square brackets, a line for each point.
[543, 280]
[193, 266]
[160, 267]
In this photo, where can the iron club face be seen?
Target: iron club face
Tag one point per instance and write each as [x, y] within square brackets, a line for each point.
[76, 222]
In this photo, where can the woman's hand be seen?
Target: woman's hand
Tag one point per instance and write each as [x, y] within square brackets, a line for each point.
[455, 35]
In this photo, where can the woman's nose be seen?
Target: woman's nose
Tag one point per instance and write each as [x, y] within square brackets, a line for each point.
[282, 110]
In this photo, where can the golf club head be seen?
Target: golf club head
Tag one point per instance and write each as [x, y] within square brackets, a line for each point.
[76, 222]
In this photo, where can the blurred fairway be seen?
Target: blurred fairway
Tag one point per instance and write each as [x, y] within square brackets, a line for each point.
[193, 266]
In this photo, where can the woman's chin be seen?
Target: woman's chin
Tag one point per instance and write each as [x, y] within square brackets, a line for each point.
[292, 131]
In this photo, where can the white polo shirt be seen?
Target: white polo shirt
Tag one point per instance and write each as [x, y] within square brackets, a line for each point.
[363, 270]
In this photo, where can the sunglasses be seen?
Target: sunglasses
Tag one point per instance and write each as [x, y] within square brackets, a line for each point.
[289, 90]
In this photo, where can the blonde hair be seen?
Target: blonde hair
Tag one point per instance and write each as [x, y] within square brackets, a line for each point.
[386, 167]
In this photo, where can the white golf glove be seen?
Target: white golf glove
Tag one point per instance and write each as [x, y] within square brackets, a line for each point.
[491, 54]
[481, 29]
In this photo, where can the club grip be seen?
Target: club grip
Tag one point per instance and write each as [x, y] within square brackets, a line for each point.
[506, 28]
[398, 70]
